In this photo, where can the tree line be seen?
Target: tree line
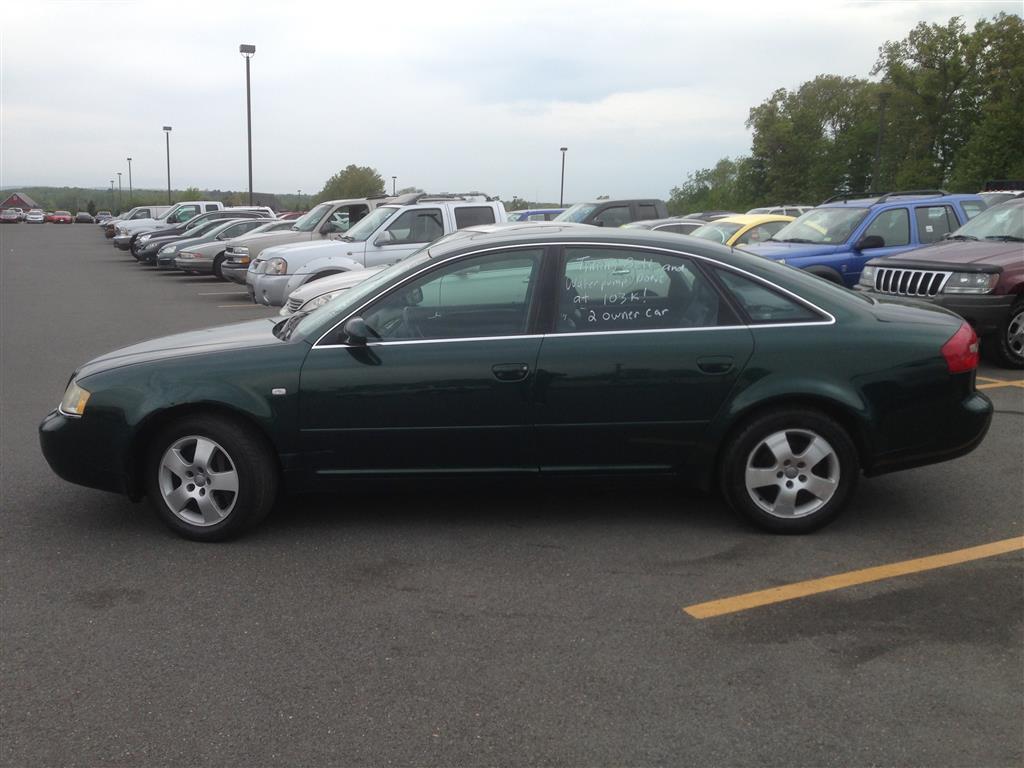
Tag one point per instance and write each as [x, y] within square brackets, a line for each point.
[947, 111]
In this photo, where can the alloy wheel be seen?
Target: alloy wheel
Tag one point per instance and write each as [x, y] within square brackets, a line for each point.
[198, 481]
[792, 473]
[1015, 334]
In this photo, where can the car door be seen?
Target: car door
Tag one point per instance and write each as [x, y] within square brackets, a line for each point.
[643, 352]
[893, 226]
[443, 387]
[406, 233]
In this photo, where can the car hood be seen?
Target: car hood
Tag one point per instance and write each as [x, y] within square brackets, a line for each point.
[307, 250]
[222, 338]
[949, 253]
[332, 283]
[792, 250]
[258, 242]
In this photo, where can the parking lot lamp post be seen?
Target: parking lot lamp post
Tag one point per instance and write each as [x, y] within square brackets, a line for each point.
[131, 197]
[247, 52]
[112, 206]
[561, 190]
[120, 191]
[167, 133]
[394, 185]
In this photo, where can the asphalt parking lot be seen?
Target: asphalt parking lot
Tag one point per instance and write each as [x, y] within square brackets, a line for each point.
[444, 624]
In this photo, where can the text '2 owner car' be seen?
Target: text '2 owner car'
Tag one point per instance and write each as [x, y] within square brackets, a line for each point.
[529, 349]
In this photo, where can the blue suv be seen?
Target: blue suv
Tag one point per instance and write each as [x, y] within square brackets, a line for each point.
[837, 238]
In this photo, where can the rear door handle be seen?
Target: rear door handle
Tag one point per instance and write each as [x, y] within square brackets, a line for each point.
[715, 364]
[510, 371]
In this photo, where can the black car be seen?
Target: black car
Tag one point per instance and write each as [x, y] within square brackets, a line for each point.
[613, 213]
[82, 217]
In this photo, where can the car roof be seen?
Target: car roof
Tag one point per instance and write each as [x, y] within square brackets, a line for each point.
[651, 223]
[749, 219]
[897, 198]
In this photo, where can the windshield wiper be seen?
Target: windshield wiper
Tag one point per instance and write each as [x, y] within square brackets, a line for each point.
[792, 240]
[1005, 238]
[961, 237]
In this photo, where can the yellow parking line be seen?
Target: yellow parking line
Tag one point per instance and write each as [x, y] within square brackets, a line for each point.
[996, 384]
[849, 579]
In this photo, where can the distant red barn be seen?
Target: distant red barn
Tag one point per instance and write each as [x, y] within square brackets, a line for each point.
[19, 200]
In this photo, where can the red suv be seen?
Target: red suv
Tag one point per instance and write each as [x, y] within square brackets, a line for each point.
[977, 272]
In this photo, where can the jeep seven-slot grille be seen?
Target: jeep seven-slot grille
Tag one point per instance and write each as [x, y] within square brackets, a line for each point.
[909, 282]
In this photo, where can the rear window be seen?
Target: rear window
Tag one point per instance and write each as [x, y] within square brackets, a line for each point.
[470, 216]
[764, 305]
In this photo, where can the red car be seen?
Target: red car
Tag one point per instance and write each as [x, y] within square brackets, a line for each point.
[60, 217]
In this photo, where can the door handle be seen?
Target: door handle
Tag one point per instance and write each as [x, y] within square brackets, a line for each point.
[510, 371]
[715, 364]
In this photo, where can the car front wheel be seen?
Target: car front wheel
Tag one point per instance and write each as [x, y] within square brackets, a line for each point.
[210, 478]
[1007, 348]
[792, 471]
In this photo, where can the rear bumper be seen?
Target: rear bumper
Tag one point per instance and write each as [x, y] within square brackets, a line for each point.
[986, 314]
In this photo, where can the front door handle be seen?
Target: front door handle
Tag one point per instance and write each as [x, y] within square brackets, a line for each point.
[510, 371]
[715, 364]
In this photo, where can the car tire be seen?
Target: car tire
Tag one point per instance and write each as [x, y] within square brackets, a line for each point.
[790, 471]
[1006, 348]
[217, 261]
[210, 478]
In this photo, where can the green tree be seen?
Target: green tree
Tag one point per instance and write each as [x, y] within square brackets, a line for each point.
[730, 185]
[353, 181]
[91, 207]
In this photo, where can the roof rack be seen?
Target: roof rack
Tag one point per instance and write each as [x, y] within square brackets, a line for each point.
[849, 196]
[914, 193]
[410, 198]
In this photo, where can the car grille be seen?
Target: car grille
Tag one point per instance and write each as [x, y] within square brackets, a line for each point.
[294, 304]
[910, 282]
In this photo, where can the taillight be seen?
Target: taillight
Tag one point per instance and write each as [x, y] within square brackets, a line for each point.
[961, 351]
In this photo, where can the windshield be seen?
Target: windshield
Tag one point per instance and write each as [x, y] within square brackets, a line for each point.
[308, 222]
[821, 225]
[367, 225]
[576, 213]
[202, 227]
[1002, 222]
[320, 319]
[718, 232]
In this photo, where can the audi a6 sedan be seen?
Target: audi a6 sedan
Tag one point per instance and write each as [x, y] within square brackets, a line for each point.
[534, 349]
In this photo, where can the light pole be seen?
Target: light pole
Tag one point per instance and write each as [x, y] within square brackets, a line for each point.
[131, 197]
[394, 185]
[561, 190]
[120, 192]
[300, 199]
[112, 206]
[167, 133]
[248, 51]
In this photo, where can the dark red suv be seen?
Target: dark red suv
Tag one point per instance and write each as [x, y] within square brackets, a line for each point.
[977, 272]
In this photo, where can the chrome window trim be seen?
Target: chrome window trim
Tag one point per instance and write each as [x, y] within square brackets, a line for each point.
[831, 320]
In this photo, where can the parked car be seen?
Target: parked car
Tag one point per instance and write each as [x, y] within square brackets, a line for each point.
[83, 217]
[308, 297]
[977, 272]
[35, 216]
[676, 224]
[102, 216]
[328, 220]
[48, 217]
[204, 255]
[9, 216]
[387, 235]
[62, 217]
[742, 229]
[21, 213]
[145, 245]
[781, 210]
[710, 215]
[233, 268]
[534, 350]
[1000, 190]
[177, 214]
[613, 213]
[836, 239]
[535, 214]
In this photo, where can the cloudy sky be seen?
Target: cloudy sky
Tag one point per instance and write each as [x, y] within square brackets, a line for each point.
[447, 96]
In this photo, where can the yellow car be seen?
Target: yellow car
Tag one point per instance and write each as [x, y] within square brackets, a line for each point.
[742, 229]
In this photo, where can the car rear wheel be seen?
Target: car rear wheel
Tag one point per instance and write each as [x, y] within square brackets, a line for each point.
[1007, 348]
[218, 260]
[210, 478]
[790, 472]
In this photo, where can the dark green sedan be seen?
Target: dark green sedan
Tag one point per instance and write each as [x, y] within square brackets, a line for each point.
[535, 349]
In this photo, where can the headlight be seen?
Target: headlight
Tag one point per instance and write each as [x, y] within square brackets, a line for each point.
[319, 301]
[867, 276]
[240, 251]
[74, 400]
[169, 249]
[971, 282]
[276, 266]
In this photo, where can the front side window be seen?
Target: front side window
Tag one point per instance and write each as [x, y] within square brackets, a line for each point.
[486, 295]
[471, 216]
[933, 222]
[614, 216]
[892, 226]
[240, 228]
[764, 305]
[613, 289]
[420, 225]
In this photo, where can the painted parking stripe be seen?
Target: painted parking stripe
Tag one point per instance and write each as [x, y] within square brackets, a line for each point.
[223, 293]
[242, 306]
[849, 579]
[997, 383]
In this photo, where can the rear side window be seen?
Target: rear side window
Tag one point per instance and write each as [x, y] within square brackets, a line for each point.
[646, 211]
[892, 226]
[211, 207]
[470, 216]
[764, 305]
[417, 226]
[972, 208]
[677, 228]
[934, 221]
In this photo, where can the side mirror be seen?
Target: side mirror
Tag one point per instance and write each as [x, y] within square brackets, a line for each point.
[357, 331]
[869, 242]
[598, 223]
[384, 238]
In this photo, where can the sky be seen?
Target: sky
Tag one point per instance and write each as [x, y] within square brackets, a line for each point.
[446, 96]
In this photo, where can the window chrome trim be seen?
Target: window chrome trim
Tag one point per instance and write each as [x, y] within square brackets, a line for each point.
[831, 320]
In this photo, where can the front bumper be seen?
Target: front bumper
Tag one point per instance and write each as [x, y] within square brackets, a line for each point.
[270, 290]
[234, 273]
[986, 313]
[79, 454]
[203, 266]
[123, 242]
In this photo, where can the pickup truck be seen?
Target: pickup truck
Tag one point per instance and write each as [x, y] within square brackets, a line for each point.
[138, 212]
[389, 234]
[614, 213]
[177, 214]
